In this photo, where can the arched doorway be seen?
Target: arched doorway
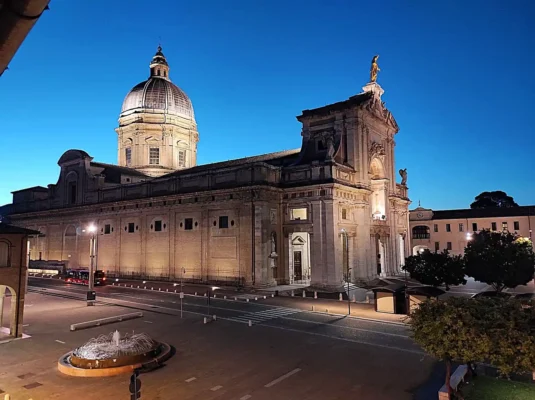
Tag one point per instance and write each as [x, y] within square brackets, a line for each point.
[8, 312]
[419, 249]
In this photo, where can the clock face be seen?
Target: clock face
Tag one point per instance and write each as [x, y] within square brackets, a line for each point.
[420, 215]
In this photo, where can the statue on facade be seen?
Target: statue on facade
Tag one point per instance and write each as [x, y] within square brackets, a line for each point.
[403, 174]
[330, 148]
[374, 69]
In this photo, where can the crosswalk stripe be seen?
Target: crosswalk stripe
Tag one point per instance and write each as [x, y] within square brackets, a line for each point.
[266, 315]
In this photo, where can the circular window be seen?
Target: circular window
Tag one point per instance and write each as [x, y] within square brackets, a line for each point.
[151, 226]
[196, 223]
[232, 223]
[215, 223]
[181, 224]
[164, 226]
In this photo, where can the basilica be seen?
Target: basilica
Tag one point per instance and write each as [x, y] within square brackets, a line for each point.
[323, 214]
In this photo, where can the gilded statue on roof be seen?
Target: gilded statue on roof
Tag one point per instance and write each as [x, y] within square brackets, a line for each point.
[374, 69]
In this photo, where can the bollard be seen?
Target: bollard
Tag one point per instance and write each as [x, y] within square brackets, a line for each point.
[256, 299]
[225, 297]
[312, 308]
[175, 290]
[168, 290]
[159, 289]
[327, 310]
[113, 284]
[367, 298]
[316, 295]
[215, 296]
[214, 317]
[250, 323]
[340, 297]
[247, 300]
[293, 294]
[304, 294]
[354, 299]
[205, 320]
[131, 286]
[235, 298]
[195, 293]
[144, 287]
[264, 297]
[138, 286]
[151, 288]
[272, 295]
[204, 295]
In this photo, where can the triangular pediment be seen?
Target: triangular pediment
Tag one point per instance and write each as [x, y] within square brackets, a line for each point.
[298, 240]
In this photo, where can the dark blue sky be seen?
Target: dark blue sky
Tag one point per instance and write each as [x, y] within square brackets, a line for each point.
[458, 77]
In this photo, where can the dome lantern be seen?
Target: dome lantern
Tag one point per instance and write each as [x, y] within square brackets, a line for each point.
[159, 66]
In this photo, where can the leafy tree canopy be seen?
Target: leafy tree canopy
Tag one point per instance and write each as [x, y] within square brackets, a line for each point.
[436, 269]
[496, 199]
[500, 259]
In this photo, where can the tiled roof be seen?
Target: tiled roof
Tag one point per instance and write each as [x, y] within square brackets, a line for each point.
[484, 212]
[341, 105]
[277, 158]
[10, 229]
[110, 168]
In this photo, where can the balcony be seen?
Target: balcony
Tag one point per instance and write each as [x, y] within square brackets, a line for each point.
[421, 236]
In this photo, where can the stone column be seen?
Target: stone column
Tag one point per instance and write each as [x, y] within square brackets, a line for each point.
[317, 256]
[172, 235]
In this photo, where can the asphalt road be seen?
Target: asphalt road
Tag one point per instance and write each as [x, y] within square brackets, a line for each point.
[387, 335]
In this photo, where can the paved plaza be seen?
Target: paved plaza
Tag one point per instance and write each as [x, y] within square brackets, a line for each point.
[286, 354]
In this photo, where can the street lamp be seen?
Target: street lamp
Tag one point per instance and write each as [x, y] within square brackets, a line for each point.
[92, 229]
[212, 289]
[468, 236]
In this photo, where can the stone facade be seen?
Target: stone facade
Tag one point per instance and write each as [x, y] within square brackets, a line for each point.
[452, 229]
[300, 216]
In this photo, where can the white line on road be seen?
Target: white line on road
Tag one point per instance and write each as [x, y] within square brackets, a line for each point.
[59, 341]
[25, 325]
[216, 388]
[148, 322]
[281, 378]
[246, 397]
[190, 379]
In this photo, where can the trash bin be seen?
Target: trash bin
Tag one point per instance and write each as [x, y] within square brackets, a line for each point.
[91, 295]
[390, 299]
[419, 294]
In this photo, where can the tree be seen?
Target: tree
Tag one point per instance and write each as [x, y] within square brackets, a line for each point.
[496, 199]
[436, 269]
[500, 259]
[451, 331]
[464, 330]
[512, 330]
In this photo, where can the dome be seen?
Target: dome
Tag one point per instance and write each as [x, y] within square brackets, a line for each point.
[158, 93]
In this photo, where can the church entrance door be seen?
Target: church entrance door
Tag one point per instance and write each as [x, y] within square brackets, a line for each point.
[299, 260]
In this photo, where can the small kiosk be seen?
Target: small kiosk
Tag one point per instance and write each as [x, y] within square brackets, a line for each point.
[418, 294]
[390, 299]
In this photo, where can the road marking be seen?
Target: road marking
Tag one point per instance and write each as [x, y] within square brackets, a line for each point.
[246, 397]
[148, 322]
[190, 379]
[281, 378]
[59, 341]
[215, 388]
[25, 325]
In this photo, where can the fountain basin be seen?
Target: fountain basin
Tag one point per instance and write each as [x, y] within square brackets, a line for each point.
[109, 355]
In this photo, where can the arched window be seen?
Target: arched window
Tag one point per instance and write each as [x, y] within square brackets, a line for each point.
[70, 231]
[5, 258]
[420, 232]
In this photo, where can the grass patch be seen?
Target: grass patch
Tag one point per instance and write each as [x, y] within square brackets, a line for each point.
[487, 388]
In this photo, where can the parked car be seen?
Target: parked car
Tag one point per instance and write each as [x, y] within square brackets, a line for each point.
[493, 294]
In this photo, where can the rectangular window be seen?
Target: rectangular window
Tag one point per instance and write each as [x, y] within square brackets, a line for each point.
[448, 228]
[154, 155]
[516, 225]
[461, 227]
[344, 213]
[493, 225]
[40, 255]
[504, 226]
[474, 226]
[188, 224]
[107, 229]
[131, 227]
[128, 156]
[181, 158]
[448, 246]
[298, 214]
[435, 228]
[437, 246]
[157, 226]
[223, 222]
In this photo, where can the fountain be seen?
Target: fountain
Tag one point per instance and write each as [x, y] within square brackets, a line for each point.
[114, 354]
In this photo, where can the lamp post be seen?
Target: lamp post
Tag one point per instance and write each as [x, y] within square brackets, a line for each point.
[92, 229]
[212, 289]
